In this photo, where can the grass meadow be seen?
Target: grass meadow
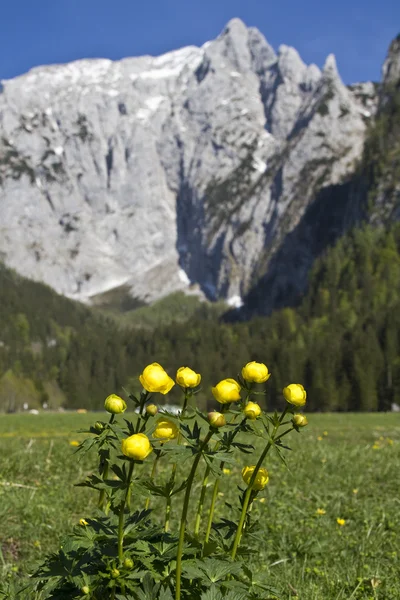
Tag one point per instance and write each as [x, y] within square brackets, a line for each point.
[342, 466]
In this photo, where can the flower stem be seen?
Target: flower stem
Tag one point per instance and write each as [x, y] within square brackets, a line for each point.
[121, 515]
[152, 474]
[247, 495]
[212, 507]
[104, 466]
[185, 512]
[201, 501]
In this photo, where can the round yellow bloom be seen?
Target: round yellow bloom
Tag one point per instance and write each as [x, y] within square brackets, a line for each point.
[114, 404]
[226, 471]
[340, 522]
[252, 410]
[151, 409]
[137, 446]
[227, 390]
[187, 378]
[300, 420]
[155, 379]
[74, 443]
[320, 511]
[255, 372]
[261, 479]
[128, 563]
[216, 419]
[355, 491]
[295, 394]
[166, 430]
[85, 590]
[83, 522]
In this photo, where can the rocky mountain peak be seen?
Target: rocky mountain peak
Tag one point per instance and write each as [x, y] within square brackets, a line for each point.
[185, 171]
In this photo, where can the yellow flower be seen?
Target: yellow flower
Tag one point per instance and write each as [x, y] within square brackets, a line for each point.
[166, 430]
[300, 420]
[320, 438]
[74, 443]
[227, 390]
[261, 500]
[355, 491]
[216, 419]
[255, 372]
[37, 544]
[155, 379]
[187, 378]
[320, 511]
[261, 479]
[83, 522]
[114, 404]
[340, 522]
[151, 409]
[137, 446]
[295, 394]
[325, 433]
[85, 590]
[226, 471]
[252, 410]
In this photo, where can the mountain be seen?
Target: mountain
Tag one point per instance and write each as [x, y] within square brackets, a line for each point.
[217, 170]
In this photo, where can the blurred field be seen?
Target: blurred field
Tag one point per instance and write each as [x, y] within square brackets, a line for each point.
[344, 464]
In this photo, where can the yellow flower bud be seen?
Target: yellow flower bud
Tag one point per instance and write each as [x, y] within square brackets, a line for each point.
[83, 522]
[252, 410]
[128, 563]
[114, 573]
[85, 590]
[255, 372]
[114, 404]
[151, 409]
[340, 522]
[187, 378]
[99, 426]
[300, 420]
[137, 446]
[155, 379]
[216, 419]
[166, 430]
[320, 511]
[295, 394]
[227, 390]
[261, 479]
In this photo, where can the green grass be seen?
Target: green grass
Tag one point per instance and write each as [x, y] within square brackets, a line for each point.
[300, 551]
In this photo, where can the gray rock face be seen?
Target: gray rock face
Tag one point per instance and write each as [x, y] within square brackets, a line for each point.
[184, 171]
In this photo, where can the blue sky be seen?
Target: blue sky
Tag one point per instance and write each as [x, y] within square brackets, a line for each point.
[35, 32]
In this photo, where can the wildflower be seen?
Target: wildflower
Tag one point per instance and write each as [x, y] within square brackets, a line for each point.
[325, 433]
[83, 522]
[137, 446]
[226, 471]
[341, 522]
[355, 491]
[74, 443]
[323, 460]
[320, 438]
[114, 404]
[295, 394]
[166, 430]
[262, 500]
[37, 544]
[376, 446]
[299, 420]
[252, 410]
[151, 409]
[389, 441]
[261, 479]
[85, 590]
[99, 426]
[187, 378]
[227, 390]
[216, 419]
[155, 379]
[114, 573]
[320, 511]
[255, 372]
[221, 494]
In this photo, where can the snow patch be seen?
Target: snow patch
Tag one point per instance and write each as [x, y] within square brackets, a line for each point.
[259, 164]
[235, 301]
[235, 74]
[183, 277]
[113, 93]
[58, 150]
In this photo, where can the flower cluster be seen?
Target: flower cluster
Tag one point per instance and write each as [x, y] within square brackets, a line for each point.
[155, 456]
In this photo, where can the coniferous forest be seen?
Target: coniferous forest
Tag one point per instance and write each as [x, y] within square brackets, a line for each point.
[342, 342]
